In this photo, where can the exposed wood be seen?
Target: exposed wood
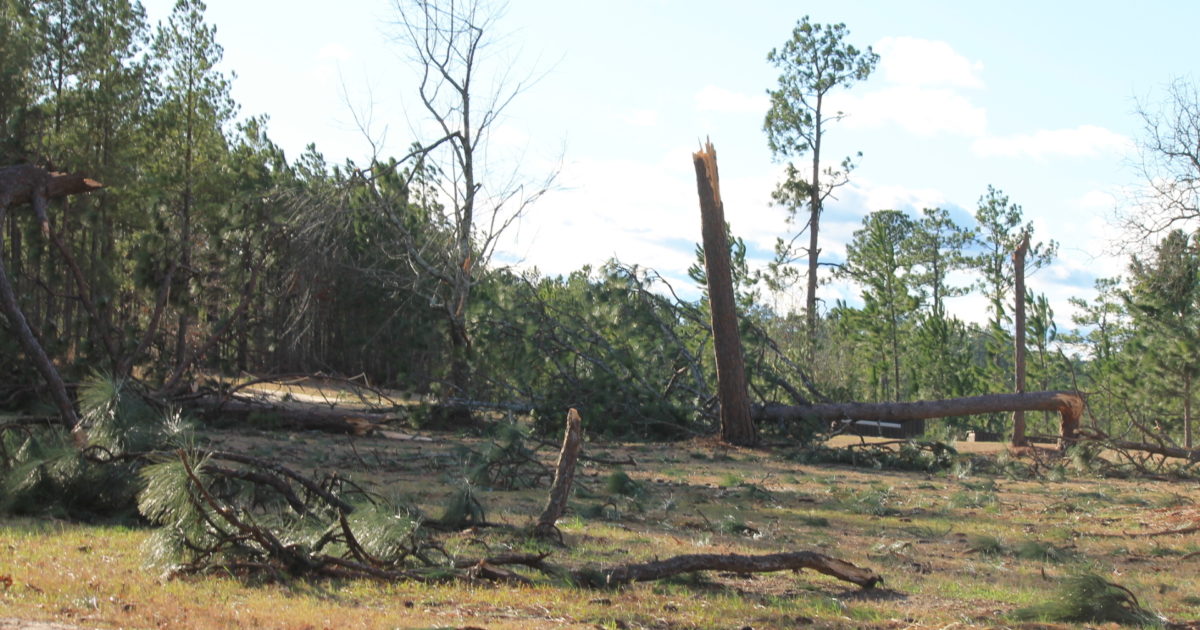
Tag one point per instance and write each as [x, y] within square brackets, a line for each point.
[737, 427]
[1018, 437]
[1068, 404]
[790, 561]
[564, 474]
[26, 183]
[31, 184]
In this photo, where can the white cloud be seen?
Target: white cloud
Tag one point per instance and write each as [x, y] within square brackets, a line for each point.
[921, 111]
[650, 219]
[1097, 200]
[921, 62]
[334, 52]
[641, 118]
[715, 99]
[508, 136]
[1082, 141]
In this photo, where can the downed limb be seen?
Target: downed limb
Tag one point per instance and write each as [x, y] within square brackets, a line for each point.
[228, 532]
[1164, 450]
[736, 563]
[1068, 404]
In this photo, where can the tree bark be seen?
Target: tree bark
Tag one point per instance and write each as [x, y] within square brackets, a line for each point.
[814, 225]
[31, 184]
[737, 427]
[1187, 410]
[564, 474]
[1018, 437]
[1068, 404]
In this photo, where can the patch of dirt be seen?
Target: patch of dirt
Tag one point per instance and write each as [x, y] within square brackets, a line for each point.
[23, 624]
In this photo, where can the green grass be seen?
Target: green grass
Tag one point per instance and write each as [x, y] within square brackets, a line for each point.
[972, 552]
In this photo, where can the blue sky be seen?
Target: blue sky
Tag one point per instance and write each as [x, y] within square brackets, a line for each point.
[1035, 98]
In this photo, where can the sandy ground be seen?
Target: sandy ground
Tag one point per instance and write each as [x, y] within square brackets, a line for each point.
[21, 624]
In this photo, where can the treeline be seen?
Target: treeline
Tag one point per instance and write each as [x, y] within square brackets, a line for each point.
[210, 252]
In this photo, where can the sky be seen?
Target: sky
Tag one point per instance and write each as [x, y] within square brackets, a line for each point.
[1038, 99]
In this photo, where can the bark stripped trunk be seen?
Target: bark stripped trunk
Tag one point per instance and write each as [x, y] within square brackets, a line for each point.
[737, 427]
[1018, 438]
[1068, 404]
[30, 184]
[564, 474]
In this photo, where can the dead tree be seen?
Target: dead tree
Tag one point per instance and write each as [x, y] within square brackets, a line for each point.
[1068, 404]
[737, 427]
[37, 186]
[1018, 437]
[564, 474]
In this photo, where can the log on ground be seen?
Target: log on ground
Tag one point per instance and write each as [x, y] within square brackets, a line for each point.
[325, 419]
[1068, 404]
[736, 563]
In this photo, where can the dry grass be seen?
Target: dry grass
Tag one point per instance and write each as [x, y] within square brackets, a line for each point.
[922, 532]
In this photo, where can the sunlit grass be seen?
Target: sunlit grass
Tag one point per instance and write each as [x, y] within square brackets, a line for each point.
[950, 548]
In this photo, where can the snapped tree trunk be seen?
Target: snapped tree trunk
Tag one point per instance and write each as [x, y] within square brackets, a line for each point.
[737, 427]
[1018, 437]
[564, 474]
[1068, 404]
[34, 185]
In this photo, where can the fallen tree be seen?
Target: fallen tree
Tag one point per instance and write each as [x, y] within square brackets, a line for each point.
[37, 186]
[1068, 404]
[211, 524]
[309, 417]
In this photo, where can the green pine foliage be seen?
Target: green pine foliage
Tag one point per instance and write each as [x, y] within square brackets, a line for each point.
[44, 472]
[1089, 598]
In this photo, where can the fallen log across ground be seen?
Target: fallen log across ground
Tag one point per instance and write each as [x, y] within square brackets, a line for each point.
[736, 563]
[1068, 404]
[305, 418]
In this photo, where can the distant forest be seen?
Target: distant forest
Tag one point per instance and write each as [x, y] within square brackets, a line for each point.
[211, 254]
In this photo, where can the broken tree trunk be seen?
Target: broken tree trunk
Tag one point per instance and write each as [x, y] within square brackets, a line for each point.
[31, 184]
[1068, 404]
[1018, 436]
[737, 427]
[564, 474]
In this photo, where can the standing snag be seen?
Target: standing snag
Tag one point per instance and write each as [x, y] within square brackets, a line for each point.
[564, 474]
[737, 427]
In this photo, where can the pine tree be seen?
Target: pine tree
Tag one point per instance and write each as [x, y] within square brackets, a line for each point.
[875, 261]
[190, 122]
[1164, 299]
[998, 233]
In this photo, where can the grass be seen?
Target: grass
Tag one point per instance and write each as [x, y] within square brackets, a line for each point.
[952, 550]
